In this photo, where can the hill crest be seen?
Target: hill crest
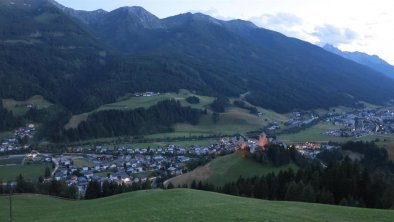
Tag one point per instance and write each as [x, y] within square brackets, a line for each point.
[176, 205]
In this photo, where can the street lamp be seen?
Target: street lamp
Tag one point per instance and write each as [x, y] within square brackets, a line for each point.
[10, 187]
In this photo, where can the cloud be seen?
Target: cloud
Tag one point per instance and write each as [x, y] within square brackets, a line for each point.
[279, 19]
[288, 24]
[329, 34]
[213, 13]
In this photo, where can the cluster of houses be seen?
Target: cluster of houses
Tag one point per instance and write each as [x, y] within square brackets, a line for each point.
[298, 119]
[12, 143]
[361, 123]
[128, 165]
[146, 94]
[36, 157]
[311, 150]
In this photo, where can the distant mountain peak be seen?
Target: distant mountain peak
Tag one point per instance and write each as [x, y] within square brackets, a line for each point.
[135, 10]
[140, 16]
[371, 61]
[99, 11]
[185, 18]
[331, 48]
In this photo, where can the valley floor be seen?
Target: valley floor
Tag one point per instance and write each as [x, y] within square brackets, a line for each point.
[180, 205]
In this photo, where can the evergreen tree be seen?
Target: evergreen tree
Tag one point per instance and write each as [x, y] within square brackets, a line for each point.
[193, 185]
[294, 191]
[308, 194]
[170, 186]
[93, 190]
[215, 117]
[47, 172]
[388, 197]
[325, 197]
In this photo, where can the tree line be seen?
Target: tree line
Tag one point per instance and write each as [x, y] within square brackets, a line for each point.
[52, 187]
[97, 189]
[113, 123]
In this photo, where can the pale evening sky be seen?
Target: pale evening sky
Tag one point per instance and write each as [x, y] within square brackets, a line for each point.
[351, 25]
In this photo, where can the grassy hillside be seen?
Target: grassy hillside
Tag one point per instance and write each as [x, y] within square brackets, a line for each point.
[130, 103]
[180, 205]
[226, 169]
[234, 120]
[313, 133]
[19, 108]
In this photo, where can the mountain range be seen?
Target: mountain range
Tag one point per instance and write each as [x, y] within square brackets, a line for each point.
[371, 61]
[81, 60]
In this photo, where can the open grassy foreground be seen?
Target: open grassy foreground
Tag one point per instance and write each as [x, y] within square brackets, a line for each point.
[180, 205]
[226, 169]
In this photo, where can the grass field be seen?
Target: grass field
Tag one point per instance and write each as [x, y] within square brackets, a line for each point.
[227, 169]
[29, 172]
[19, 107]
[81, 162]
[313, 133]
[6, 160]
[234, 120]
[180, 205]
[5, 135]
[186, 144]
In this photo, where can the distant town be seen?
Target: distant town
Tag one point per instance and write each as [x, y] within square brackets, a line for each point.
[361, 123]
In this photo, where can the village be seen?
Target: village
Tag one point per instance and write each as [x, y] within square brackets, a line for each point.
[128, 164]
[360, 123]
[18, 140]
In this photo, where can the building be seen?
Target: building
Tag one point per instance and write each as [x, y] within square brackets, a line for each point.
[262, 141]
[359, 124]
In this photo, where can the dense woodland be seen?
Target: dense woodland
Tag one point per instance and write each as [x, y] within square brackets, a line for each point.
[7, 119]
